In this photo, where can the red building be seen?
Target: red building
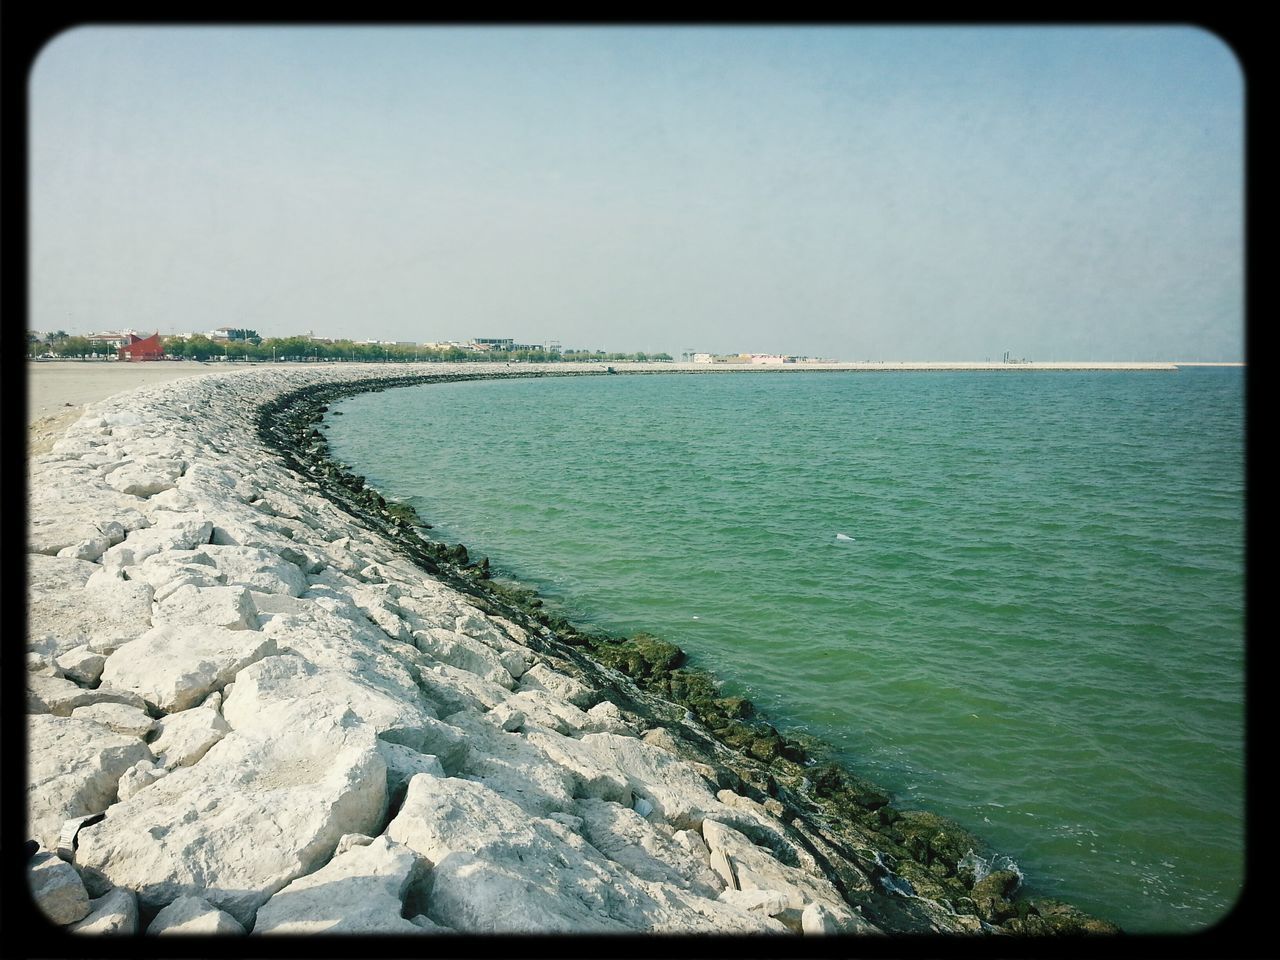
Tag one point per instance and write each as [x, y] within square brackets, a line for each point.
[139, 348]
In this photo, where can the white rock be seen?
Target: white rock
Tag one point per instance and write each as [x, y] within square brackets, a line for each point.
[361, 890]
[146, 479]
[116, 913]
[123, 718]
[257, 569]
[755, 868]
[193, 916]
[82, 665]
[73, 768]
[57, 889]
[498, 870]
[605, 717]
[229, 607]
[250, 817]
[286, 691]
[648, 850]
[174, 667]
[403, 764]
[461, 651]
[51, 535]
[542, 677]
[60, 697]
[514, 767]
[768, 902]
[63, 614]
[547, 711]
[183, 738]
[140, 544]
[91, 548]
[141, 774]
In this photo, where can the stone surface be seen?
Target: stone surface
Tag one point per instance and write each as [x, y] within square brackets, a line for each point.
[361, 890]
[194, 916]
[183, 738]
[541, 677]
[115, 913]
[495, 869]
[64, 613]
[61, 697]
[57, 889]
[82, 665]
[176, 666]
[252, 815]
[124, 718]
[74, 766]
[228, 607]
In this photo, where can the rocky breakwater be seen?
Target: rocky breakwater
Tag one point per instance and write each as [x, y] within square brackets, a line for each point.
[261, 700]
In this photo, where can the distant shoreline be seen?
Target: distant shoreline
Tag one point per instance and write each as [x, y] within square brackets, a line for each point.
[58, 389]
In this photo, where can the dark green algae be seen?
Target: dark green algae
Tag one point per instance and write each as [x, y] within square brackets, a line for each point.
[846, 822]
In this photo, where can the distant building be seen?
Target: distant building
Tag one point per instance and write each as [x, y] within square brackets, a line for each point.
[485, 344]
[110, 340]
[141, 348]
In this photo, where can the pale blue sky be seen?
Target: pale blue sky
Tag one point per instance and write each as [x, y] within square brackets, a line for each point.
[853, 192]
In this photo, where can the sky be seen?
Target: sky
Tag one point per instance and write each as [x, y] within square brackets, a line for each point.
[850, 192]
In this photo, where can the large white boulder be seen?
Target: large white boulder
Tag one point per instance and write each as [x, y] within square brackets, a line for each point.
[64, 613]
[360, 891]
[251, 816]
[459, 650]
[648, 850]
[229, 607]
[124, 718]
[73, 769]
[56, 695]
[57, 889]
[287, 691]
[140, 544]
[114, 913]
[194, 916]
[495, 869]
[174, 667]
[542, 677]
[147, 478]
[259, 570]
[756, 869]
[183, 738]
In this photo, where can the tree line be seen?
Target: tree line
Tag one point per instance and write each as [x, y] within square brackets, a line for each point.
[253, 348]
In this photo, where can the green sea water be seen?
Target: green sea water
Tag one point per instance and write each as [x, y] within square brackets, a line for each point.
[1013, 598]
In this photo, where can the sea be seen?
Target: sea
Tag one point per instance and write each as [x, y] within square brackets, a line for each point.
[1014, 598]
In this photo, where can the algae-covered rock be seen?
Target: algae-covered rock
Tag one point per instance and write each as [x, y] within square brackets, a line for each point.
[642, 657]
[931, 838]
